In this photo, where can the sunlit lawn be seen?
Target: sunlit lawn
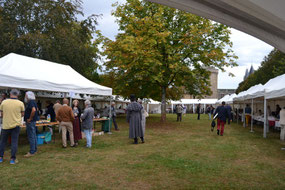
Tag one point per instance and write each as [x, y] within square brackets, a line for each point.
[184, 155]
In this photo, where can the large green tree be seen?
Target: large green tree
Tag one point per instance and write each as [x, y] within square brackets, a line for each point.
[272, 66]
[50, 30]
[162, 52]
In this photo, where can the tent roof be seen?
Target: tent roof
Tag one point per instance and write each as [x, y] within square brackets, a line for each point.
[263, 19]
[18, 71]
[275, 88]
[228, 99]
[253, 92]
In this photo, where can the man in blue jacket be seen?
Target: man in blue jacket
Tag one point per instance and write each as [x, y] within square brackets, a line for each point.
[223, 114]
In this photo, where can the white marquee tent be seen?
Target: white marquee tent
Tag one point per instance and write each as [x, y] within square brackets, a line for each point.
[17, 71]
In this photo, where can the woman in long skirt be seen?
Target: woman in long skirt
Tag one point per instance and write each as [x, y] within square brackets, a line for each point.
[76, 123]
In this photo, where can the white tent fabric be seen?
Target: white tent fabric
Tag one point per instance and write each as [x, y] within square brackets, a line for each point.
[228, 99]
[275, 88]
[17, 71]
[263, 19]
[254, 92]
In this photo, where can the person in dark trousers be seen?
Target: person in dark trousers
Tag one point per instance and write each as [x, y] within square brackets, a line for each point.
[114, 115]
[134, 118]
[222, 118]
[198, 111]
[12, 111]
[179, 110]
[31, 117]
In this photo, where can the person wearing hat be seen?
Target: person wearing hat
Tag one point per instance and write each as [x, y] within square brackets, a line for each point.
[134, 118]
[12, 111]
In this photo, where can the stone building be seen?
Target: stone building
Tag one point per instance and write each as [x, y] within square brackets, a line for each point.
[214, 85]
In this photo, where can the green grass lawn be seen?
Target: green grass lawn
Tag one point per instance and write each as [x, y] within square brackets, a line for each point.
[184, 155]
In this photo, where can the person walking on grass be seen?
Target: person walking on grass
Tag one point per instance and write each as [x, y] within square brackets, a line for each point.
[87, 122]
[247, 114]
[198, 111]
[31, 117]
[179, 110]
[12, 111]
[222, 118]
[66, 117]
[144, 115]
[114, 115]
[134, 118]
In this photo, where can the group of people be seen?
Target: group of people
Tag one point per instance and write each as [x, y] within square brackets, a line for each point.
[70, 119]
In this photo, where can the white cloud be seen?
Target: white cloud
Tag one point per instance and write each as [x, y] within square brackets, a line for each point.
[250, 51]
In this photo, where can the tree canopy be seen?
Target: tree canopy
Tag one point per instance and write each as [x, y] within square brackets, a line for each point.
[272, 66]
[49, 29]
[162, 52]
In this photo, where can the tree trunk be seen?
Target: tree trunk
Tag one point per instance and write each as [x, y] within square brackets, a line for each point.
[163, 104]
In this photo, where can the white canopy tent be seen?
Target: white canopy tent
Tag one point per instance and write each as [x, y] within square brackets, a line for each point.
[263, 19]
[228, 99]
[273, 89]
[18, 71]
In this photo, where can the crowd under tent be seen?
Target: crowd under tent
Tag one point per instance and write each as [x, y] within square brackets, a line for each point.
[27, 73]
[272, 91]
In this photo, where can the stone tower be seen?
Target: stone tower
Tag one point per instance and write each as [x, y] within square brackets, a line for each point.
[213, 83]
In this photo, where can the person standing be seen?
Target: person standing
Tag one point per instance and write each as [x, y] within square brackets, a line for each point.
[222, 118]
[144, 114]
[198, 111]
[134, 118]
[277, 112]
[247, 114]
[56, 106]
[31, 117]
[12, 111]
[76, 123]
[4, 96]
[208, 111]
[87, 122]
[50, 111]
[282, 124]
[114, 115]
[179, 110]
[65, 117]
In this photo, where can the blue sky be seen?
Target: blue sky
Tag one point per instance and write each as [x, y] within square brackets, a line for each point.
[250, 50]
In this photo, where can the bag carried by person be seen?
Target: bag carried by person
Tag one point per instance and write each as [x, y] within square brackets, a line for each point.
[213, 124]
[146, 114]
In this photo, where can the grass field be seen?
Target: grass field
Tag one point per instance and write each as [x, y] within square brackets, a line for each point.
[184, 155]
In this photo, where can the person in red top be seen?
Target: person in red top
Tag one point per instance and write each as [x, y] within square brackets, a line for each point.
[66, 117]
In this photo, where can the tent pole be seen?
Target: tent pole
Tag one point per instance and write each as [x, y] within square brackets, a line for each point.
[251, 125]
[265, 119]
[110, 116]
[243, 115]
[237, 114]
